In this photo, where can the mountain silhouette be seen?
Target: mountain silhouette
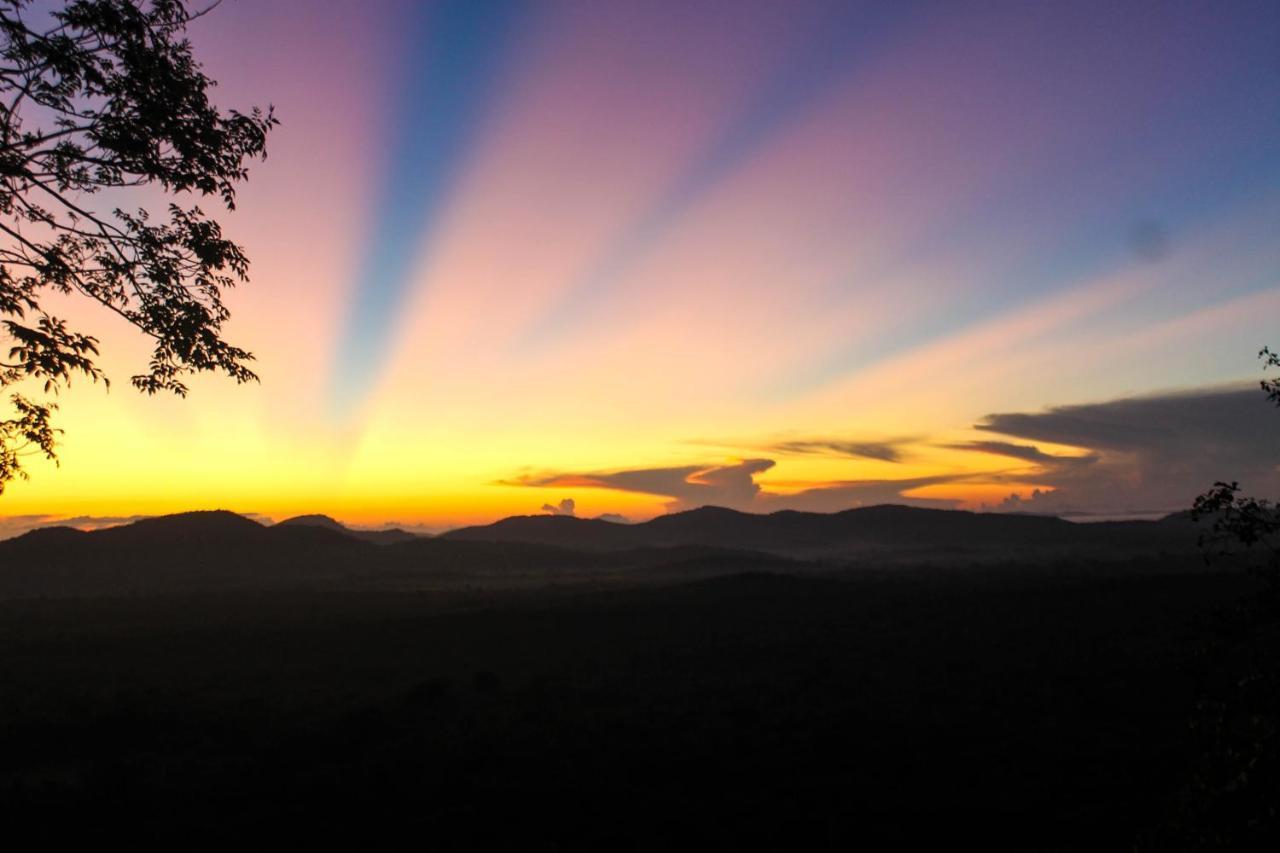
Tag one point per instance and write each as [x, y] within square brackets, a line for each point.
[806, 534]
[202, 551]
[389, 536]
[172, 553]
[218, 550]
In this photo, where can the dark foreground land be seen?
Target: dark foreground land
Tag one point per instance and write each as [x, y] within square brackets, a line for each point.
[1003, 708]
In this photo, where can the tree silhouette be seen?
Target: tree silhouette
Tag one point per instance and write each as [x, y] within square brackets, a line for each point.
[106, 95]
[1270, 386]
[1241, 522]
[1230, 799]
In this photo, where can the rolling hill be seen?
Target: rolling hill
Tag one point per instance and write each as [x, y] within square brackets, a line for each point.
[388, 536]
[854, 532]
[212, 551]
[202, 551]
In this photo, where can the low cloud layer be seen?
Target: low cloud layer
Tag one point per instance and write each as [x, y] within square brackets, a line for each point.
[1131, 457]
[1144, 455]
[688, 486]
[734, 486]
[16, 525]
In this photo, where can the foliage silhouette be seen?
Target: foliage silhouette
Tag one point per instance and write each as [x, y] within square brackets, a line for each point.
[1229, 801]
[1240, 522]
[107, 95]
[1270, 386]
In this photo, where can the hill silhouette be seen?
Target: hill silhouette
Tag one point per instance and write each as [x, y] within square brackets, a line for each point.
[172, 553]
[883, 528]
[222, 550]
[219, 550]
[386, 536]
[204, 670]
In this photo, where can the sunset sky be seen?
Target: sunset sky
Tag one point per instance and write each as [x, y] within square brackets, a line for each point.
[648, 256]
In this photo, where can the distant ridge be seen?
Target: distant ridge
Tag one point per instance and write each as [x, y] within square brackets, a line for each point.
[313, 520]
[793, 533]
[171, 553]
[389, 536]
[190, 528]
[219, 550]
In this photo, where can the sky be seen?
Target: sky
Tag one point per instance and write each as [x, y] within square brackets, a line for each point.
[625, 258]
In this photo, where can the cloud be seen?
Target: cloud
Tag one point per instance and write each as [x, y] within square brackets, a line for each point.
[565, 507]
[836, 496]
[890, 450]
[1144, 454]
[614, 518]
[734, 486]
[1025, 452]
[1136, 456]
[687, 486]
[416, 528]
[882, 451]
[16, 525]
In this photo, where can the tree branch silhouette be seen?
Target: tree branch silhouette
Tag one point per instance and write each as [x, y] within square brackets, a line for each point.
[107, 95]
[1240, 523]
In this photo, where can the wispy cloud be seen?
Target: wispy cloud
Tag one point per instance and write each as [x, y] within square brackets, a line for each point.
[879, 450]
[734, 486]
[841, 495]
[1025, 452]
[687, 486]
[1136, 456]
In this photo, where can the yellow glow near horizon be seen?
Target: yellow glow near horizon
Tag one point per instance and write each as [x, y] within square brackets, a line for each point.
[666, 246]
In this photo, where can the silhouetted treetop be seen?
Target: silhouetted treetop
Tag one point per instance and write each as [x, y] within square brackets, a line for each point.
[1271, 385]
[107, 95]
[1239, 522]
